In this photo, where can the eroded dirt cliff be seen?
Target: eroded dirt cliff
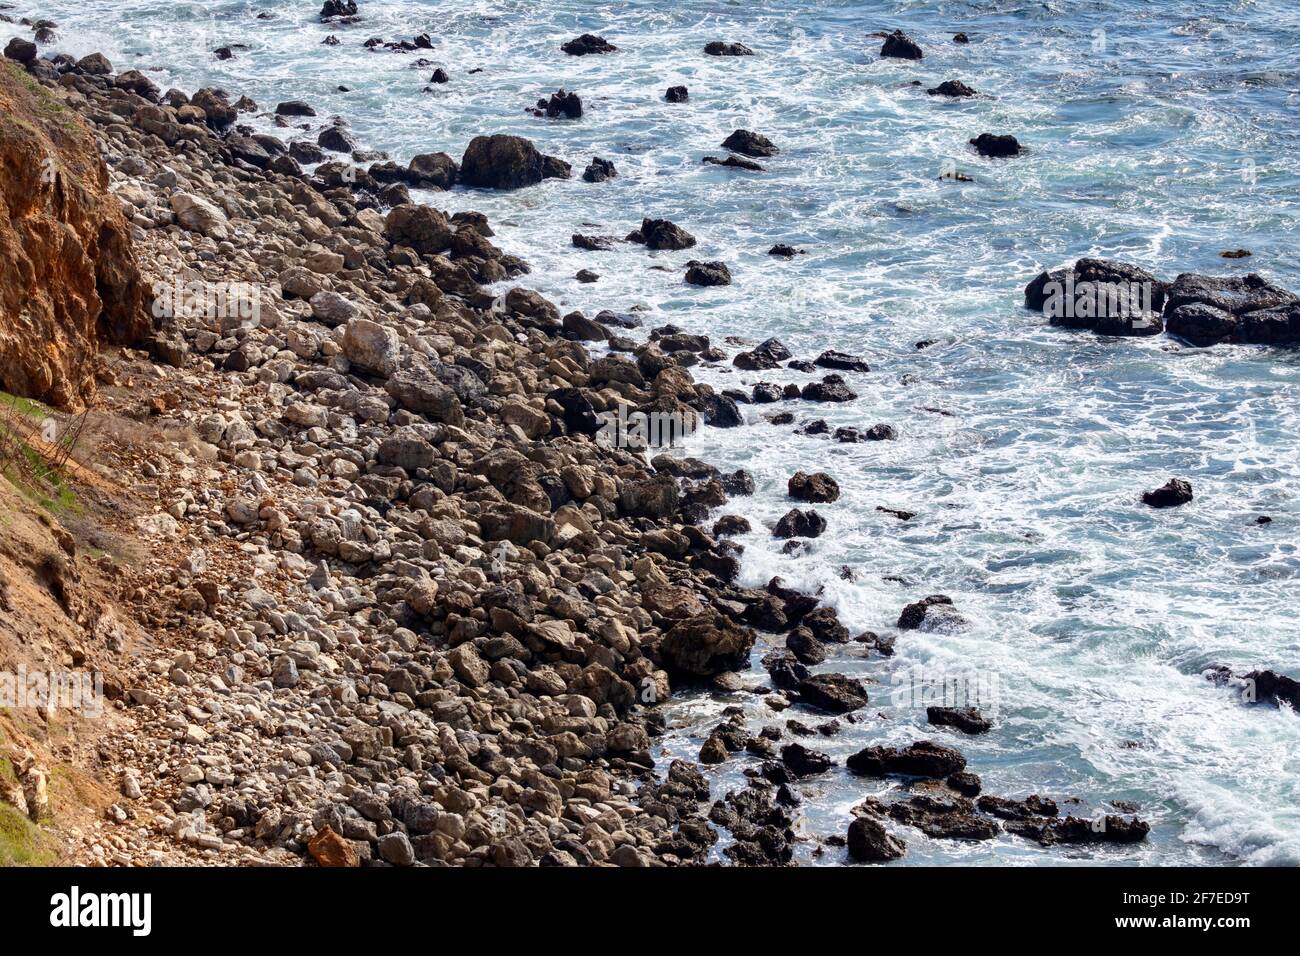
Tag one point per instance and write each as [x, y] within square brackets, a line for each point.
[69, 278]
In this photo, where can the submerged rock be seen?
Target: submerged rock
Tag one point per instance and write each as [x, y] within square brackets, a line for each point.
[734, 162]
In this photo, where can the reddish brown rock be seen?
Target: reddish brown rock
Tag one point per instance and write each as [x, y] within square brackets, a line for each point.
[70, 279]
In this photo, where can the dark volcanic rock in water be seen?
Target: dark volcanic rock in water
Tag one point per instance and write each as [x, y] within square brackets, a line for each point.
[707, 273]
[734, 162]
[952, 88]
[507, 162]
[1206, 310]
[881, 432]
[20, 50]
[768, 355]
[785, 251]
[439, 76]
[900, 46]
[833, 693]
[840, 360]
[662, 234]
[599, 170]
[677, 94]
[966, 719]
[829, 389]
[997, 146]
[818, 488]
[336, 140]
[1171, 494]
[1275, 688]
[592, 243]
[1104, 295]
[943, 817]
[719, 48]
[749, 143]
[869, 842]
[960, 38]
[561, 103]
[797, 523]
[915, 613]
[294, 108]
[587, 44]
[338, 8]
[803, 762]
[921, 759]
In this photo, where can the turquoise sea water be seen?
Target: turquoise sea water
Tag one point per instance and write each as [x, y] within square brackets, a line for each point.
[1160, 133]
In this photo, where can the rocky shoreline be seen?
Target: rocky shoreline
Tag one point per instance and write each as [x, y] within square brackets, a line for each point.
[404, 607]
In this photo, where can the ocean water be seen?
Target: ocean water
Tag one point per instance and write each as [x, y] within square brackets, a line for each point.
[1158, 132]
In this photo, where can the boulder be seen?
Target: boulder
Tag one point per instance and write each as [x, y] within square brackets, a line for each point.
[802, 762]
[719, 48]
[921, 759]
[21, 51]
[418, 389]
[707, 273]
[1172, 494]
[423, 228]
[998, 146]
[705, 646]
[1206, 310]
[599, 170]
[767, 355]
[432, 171]
[818, 488]
[797, 523]
[198, 215]
[507, 162]
[1104, 295]
[750, 143]
[966, 719]
[329, 849]
[587, 45]
[900, 46]
[371, 347]
[870, 842]
[664, 234]
[833, 693]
